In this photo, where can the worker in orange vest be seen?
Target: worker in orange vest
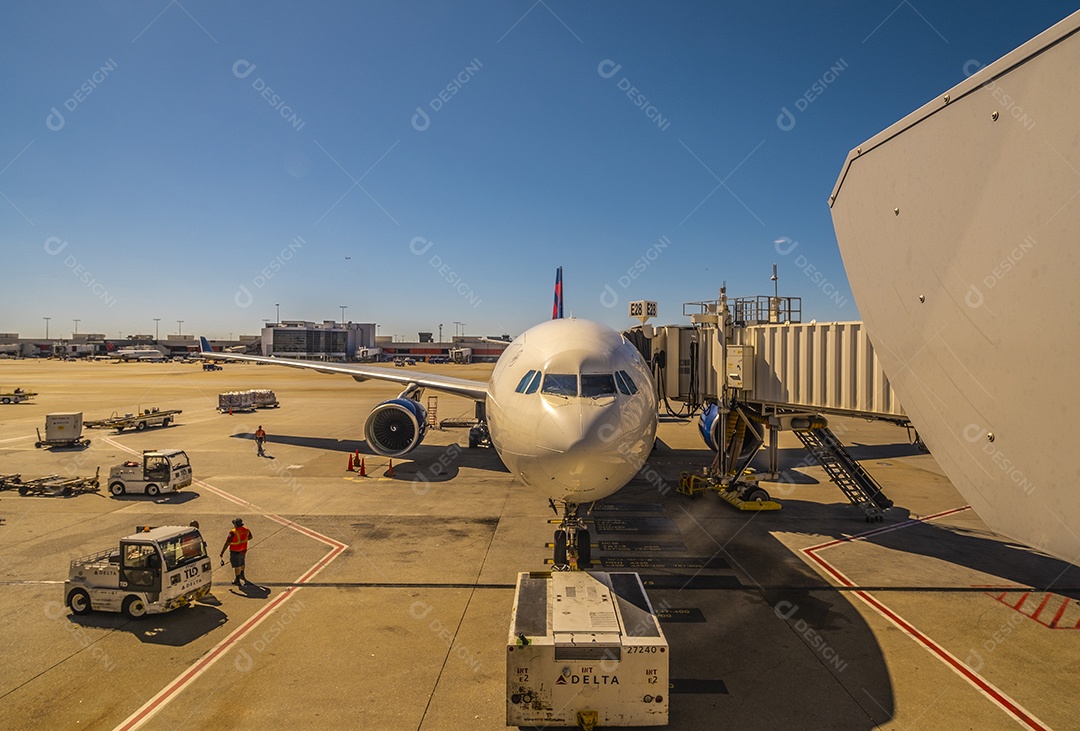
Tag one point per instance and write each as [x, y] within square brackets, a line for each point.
[237, 543]
[260, 437]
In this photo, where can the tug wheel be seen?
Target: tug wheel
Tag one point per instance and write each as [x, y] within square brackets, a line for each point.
[79, 601]
[134, 607]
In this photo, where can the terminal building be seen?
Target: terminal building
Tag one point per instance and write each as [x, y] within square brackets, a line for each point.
[329, 340]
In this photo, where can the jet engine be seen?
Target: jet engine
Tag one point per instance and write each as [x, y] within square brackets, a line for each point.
[396, 427]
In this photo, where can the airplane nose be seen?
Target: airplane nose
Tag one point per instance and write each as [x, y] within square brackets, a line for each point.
[579, 449]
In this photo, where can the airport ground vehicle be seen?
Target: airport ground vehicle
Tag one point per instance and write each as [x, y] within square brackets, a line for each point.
[165, 470]
[138, 422]
[17, 396]
[152, 571]
[211, 367]
[62, 430]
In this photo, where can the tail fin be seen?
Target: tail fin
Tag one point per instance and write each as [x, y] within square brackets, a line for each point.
[556, 308]
[204, 345]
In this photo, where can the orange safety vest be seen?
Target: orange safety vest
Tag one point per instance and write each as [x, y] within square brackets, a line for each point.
[238, 539]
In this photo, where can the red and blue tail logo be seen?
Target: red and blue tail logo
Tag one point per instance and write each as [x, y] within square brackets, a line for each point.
[556, 309]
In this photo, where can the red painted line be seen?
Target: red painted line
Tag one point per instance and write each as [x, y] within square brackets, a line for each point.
[170, 691]
[1060, 611]
[1045, 601]
[886, 529]
[987, 688]
[1022, 600]
[195, 670]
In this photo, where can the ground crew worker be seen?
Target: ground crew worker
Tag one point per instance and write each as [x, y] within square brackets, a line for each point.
[237, 543]
[260, 437]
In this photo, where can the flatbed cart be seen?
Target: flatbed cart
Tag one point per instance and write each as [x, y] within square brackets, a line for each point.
[57, 485]
[138, 422]
[17, 396]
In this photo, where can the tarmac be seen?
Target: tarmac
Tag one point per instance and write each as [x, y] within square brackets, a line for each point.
[384, 601]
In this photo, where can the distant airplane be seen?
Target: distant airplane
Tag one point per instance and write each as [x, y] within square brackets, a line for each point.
[570, 408]
[137, 354]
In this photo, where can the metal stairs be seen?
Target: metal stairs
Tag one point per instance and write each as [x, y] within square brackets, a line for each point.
[844, 470]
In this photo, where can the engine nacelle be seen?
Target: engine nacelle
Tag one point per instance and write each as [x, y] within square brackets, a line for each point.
[396, 427]
[708, 425]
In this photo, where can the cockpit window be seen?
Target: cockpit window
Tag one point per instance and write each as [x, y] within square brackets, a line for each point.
[560, 384]
[534, 383]
[597, 384]
[626, 384]
[524, 381]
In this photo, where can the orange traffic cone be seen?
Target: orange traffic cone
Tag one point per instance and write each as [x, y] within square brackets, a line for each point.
[363, 470]
[230, 411]
[390, 472]
[350, 468]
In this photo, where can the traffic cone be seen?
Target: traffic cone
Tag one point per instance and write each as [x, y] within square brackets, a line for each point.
[363, 471]
[350, 468]
[390, 472]
[230, 411]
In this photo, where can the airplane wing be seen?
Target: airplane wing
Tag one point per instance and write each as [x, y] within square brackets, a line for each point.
[475, 390]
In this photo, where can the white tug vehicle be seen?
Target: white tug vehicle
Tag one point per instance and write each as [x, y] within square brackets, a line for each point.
[152, 571]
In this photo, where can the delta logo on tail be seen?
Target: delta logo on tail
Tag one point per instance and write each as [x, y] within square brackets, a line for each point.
[556, 308]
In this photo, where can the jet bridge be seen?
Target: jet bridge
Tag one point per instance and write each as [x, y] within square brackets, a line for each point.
[754, 369]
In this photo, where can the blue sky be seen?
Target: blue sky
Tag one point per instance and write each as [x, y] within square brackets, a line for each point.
[432, 162]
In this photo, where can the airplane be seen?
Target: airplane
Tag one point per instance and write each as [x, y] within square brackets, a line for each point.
[570, 408]
[126, 354]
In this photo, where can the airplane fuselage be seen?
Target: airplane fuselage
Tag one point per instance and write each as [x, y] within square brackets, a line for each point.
[571, 410]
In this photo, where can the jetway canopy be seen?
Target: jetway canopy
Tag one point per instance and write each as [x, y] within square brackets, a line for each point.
[829, 367]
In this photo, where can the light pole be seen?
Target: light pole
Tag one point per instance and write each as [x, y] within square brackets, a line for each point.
[343, 308]
[179, 327]
[440, 332]
[46, 319]
[157, 321]
[76, 327]
[278, 309]
[456, 323]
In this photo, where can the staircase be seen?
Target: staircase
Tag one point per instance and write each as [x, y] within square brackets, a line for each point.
[855, 482]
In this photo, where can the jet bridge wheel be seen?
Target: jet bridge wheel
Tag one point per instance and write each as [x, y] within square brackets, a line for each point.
[79, 601]
[754, 494]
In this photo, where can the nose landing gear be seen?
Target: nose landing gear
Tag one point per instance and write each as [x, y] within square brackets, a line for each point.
[573, 545]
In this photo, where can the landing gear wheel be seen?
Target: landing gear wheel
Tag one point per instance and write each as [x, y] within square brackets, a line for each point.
[152, 490]
[117, 488]
[474, 438]
[560, 549]
[584, 550]
[79, 601]
[134, 607]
